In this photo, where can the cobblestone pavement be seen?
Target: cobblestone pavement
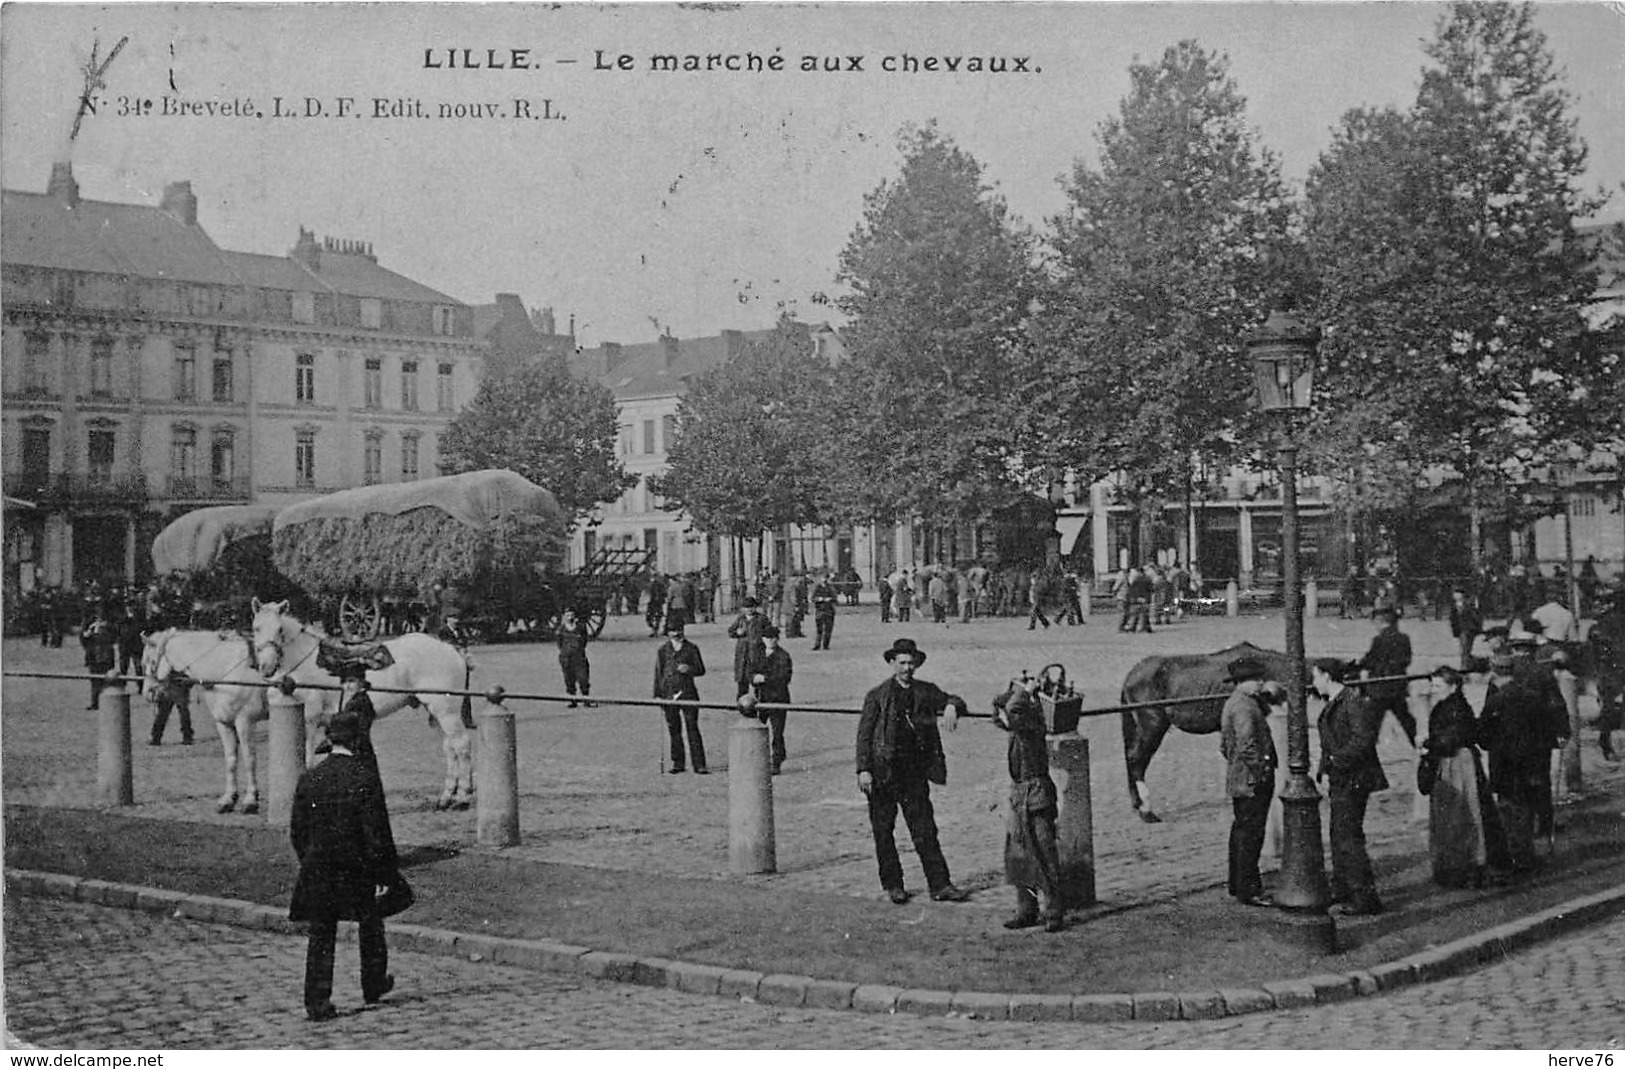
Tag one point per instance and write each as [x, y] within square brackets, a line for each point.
[91, 977]
[592, 793]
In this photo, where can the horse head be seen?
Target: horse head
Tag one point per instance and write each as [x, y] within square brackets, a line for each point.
[155, 666]
[271, 621]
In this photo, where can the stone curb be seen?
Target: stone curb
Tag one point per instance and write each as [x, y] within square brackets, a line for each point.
[780, 989]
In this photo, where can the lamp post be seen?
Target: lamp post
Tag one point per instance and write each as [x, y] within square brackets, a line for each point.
[1283, 353]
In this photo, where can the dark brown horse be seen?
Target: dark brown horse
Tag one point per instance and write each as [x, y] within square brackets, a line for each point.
[1159, 678]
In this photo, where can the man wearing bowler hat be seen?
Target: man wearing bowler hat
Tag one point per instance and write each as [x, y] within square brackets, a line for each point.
[677, 665]
[1249, 754]
[347, 865]
[899, 756]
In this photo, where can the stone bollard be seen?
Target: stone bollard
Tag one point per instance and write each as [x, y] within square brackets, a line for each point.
[1232, 599]
[287, 757]
[751, 846]
[1075, 824]
[1311, 599]
[1086, 596]
[115, 782]
[497, 800]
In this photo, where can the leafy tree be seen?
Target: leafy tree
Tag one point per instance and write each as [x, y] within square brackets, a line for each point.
[1452, 280]
[1167, 256]
[940, 280]
[555, 429]
[747, 458]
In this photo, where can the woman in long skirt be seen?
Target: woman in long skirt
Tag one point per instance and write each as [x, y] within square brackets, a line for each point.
[1464, 834]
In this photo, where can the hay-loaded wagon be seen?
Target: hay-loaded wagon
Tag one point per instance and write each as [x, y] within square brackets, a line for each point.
[482, 545]
[216, 560]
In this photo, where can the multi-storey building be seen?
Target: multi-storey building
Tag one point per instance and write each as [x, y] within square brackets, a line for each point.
[649, 380]
[147, 371]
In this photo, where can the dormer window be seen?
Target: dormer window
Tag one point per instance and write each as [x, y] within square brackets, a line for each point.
[304, 308]
[444, 320]
[372, 313]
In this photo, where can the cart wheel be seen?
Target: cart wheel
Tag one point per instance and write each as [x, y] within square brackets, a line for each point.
[360, 617]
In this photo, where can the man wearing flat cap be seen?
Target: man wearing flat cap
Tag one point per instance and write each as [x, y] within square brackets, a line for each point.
[347, 865]
[1390, 655]
[899, 756]
[1249, 754]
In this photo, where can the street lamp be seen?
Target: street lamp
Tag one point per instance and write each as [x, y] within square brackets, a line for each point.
[1283, 356]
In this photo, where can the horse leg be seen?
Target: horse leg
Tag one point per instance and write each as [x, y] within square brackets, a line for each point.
[228, 745]
[462, 752]
[251, 794]
[1150, 727]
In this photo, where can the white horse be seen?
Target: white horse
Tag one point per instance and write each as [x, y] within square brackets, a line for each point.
[424, 666]
[210, 655]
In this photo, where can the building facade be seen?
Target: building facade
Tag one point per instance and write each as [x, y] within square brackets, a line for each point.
[147, 372]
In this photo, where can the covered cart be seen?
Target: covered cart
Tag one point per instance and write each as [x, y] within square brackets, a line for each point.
[216, 560]
[485, 542]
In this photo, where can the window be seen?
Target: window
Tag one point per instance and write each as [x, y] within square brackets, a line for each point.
[442, 389]
[100, 455]
[185, 372]
[304, 308]
[223, 459]
[36, 455]
[222, 377]
[304, 378]
[409, 385]
[409, 457]
[1583, 506]
[304, 459]
[648, 436]
[183, 455]
[372, 459]
[443, 320]
[372, 383]
[101, 366]
[36, 357]
[626, 439]
[668, 432]
[372, 313]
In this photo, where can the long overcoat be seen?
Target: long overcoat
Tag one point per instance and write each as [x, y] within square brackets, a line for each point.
[340, 830]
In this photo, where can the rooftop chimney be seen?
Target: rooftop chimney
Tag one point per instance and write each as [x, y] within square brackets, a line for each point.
[306, 251]
[63, 186]
[548, 324]
[180, 202]
[669, 343]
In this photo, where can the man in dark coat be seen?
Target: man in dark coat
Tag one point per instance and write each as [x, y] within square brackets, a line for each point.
[1032, 858]
[1465, 625]
[1250, 763]
[573, 658]
[899, 755]
[1348, 747]
[100, 645]
[1524, 720]
[824, 596]
[340, 830]
[746, 632]
[657, 603]
[772, 682]
[1390, 655]
[1608, 658]
[677, 665]
[174, 692]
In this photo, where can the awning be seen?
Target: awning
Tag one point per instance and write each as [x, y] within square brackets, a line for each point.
[1070, 527]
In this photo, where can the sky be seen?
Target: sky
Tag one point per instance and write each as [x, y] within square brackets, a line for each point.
[639, 200]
